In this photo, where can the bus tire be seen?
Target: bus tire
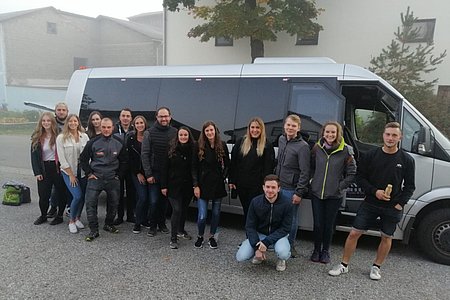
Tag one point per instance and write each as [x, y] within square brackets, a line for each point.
[433, 235]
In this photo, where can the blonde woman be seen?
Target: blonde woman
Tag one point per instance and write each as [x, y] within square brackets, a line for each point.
[252, 158]
[70, 143]
[44, 161]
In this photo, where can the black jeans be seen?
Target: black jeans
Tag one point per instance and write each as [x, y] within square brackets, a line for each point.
[324, 214]
[52, 178]
[93, 190]
[246, 196]
[128, 201]
[180, 207]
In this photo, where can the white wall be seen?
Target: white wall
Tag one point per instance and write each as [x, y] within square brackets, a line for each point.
[354, 32]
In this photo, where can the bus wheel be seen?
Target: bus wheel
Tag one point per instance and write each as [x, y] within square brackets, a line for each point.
[434, 235]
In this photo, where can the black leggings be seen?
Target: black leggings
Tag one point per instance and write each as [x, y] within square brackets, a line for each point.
[180, 207]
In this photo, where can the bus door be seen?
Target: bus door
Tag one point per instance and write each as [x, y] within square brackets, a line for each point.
[316, 101]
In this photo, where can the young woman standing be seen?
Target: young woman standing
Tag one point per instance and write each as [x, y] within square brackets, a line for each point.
[213, 163]
[93, 126]
[70, 143]
[176, 182]
[44, 161]
[333, 170]
[252, 158]
[134, 145]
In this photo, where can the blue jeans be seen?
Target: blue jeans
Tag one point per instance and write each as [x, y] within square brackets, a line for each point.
[324, 214]
[77, 192]
[93, 190]
[143, 200]
[294, 227]
[282, 249]
[158, 203]
[202, 206]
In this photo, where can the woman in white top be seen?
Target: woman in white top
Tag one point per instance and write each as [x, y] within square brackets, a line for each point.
[70, 143]
[44, 161]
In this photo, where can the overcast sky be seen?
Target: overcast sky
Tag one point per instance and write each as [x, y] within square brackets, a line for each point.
[92, 8]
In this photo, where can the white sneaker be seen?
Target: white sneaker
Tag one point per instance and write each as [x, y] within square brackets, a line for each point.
[73, 228]
[338, 270]
[375, 273]
[256, 261]
[281, 265]
[79, 224]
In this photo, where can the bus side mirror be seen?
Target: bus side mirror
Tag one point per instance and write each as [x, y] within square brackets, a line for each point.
[424, 145]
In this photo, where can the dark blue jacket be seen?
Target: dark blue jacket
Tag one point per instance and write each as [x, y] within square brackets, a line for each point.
[271, 219]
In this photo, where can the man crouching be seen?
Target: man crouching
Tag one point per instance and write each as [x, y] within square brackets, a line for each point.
[268, 224]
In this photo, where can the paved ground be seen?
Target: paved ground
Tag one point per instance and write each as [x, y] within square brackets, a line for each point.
[47, 262]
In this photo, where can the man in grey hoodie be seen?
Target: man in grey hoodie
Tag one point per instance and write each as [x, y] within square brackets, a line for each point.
[293, 169]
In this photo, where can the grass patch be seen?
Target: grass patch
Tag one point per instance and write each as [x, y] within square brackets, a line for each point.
[17, 129]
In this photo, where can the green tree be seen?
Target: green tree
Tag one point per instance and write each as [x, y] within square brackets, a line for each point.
[258, 20]
[404, 67]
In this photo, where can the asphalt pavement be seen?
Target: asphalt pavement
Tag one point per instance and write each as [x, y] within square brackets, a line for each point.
[47, 262]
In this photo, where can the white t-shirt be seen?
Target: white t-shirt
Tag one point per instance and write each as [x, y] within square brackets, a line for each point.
[48, 153]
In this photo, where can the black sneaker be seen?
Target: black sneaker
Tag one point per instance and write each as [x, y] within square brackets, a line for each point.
[294, 252]
[57, 220]
[137, 229]
[40, 220]
[163, 228]
[91, 236]
[146, 225]
[52, 212]
[118, 221]
[110, 228]
[212, 243]
[173, 244]
[151, 232]
[315, 256]
[199, 242]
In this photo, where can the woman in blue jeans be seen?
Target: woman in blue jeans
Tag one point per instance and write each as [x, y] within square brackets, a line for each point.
[212, 164]
[333, 169]
[134, 144]
[70, 143]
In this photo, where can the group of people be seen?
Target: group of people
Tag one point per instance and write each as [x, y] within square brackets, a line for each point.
[143, 168]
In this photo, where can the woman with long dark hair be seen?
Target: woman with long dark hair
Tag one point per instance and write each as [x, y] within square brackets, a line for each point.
[176, 182]
[212, 165]
[44, 161]
[252, 158]
[93, 125]
[70, 143]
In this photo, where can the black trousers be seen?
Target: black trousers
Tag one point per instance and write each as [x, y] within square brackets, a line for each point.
[52, 178]
[180, 205]
[128, 201]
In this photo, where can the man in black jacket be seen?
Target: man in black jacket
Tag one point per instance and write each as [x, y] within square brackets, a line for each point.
[268, 224]
[122, 128]
[103, 161]
[155, 146]
[386, 174]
